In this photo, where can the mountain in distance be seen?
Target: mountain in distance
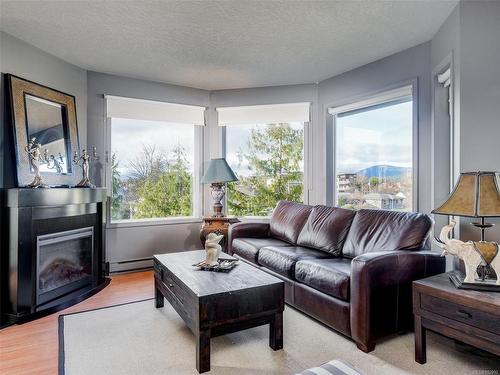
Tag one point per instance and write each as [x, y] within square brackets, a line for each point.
[384, 171]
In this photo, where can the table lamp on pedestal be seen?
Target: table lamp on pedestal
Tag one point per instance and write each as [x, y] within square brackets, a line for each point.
[218, 174]
[476, 195]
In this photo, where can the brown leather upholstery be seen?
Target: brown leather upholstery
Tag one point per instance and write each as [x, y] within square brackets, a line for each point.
[365, 290]
[282, 259]
[381, 291]
[330, 310]
[330, 276]
[248, 247]
[381, 230]
[326, 229]
[256, 230]
[287, 220]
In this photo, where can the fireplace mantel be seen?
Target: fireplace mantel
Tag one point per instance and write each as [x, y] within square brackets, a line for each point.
[28, 217]
[24, 197]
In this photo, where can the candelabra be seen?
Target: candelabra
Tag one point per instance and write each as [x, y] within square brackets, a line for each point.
[84, 162]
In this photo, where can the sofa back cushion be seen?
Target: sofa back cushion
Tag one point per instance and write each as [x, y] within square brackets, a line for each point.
[326, 229]
[382, 230]
[287, 220]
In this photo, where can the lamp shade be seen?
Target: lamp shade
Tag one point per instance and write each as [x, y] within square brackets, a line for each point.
[476, 194]
[218, 171]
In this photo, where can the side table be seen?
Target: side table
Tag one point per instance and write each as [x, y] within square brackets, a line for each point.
[469, 316]
[219, 225]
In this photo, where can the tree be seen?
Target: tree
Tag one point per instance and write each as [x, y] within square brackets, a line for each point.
[168, 193]
[116, 194]
[274, 157]
[374, 182]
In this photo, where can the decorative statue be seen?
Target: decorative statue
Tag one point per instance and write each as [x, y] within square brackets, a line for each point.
[54, 162]
[473, 253]
[34, 153]
[85, 164]
[213, 250]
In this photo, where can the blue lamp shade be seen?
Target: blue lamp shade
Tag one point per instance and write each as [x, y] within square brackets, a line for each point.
[218, 171]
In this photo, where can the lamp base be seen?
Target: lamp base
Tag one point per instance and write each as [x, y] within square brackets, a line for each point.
[217, 207]
[218, 192]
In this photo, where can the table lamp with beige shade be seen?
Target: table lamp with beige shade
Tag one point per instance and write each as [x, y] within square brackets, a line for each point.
[476, 195]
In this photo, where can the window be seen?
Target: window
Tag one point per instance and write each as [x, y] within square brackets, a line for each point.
[267, 156]
[152, 164]
[374, 153]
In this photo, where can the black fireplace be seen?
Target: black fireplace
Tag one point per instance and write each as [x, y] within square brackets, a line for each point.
[52, 250]
[64, 262]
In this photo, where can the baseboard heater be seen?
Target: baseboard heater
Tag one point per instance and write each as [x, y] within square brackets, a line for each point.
[130, 265]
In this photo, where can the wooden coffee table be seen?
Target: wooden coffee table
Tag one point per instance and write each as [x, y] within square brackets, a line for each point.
[216, 303]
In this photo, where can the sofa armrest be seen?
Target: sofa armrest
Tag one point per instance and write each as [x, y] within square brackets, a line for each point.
[254, 230]
[381, 291]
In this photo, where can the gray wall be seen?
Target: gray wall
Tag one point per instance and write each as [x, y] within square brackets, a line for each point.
[469, 35]
[24, 60]
[134, 242]
[379, 76]
[445, 51]
[480, 93]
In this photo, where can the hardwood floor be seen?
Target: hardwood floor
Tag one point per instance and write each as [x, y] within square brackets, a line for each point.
[32, 348]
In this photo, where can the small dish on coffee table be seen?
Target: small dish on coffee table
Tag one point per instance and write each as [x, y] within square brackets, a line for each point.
[224, 265]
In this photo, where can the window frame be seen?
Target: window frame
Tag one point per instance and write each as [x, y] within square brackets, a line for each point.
[369, 100]
[307, 134]
[196, 217]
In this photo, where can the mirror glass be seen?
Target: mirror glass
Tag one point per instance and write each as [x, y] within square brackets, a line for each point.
[47, 123]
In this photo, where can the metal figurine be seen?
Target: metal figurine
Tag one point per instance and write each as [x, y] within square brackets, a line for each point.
[84, 162]
[54, 162]
[34, 153]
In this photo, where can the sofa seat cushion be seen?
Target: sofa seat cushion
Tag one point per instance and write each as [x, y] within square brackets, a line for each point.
[248, 248]
[282, 259]
[330, 276]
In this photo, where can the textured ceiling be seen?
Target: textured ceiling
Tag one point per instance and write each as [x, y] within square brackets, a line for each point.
[223, 44]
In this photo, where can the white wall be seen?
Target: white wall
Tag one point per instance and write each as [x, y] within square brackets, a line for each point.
[24, 60]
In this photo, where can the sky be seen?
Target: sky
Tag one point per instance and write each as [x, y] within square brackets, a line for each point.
[375, 137]
[129, 136]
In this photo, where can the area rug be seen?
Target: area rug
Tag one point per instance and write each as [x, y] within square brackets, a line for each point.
[137, 338]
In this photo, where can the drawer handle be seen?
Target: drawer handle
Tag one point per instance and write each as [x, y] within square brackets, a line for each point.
[464, 314]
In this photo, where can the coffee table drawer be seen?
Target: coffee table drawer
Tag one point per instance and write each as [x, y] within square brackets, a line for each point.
[169, 281]
[460, 313]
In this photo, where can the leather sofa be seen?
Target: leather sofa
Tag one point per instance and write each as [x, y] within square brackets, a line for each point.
[351, 270]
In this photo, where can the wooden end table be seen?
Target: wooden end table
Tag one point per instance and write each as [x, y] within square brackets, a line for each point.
[218, 225]
[215, 303]
[470, 316]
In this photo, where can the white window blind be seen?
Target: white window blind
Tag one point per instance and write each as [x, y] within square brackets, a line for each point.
[264, 114]
[140, 109]
[385, 97]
